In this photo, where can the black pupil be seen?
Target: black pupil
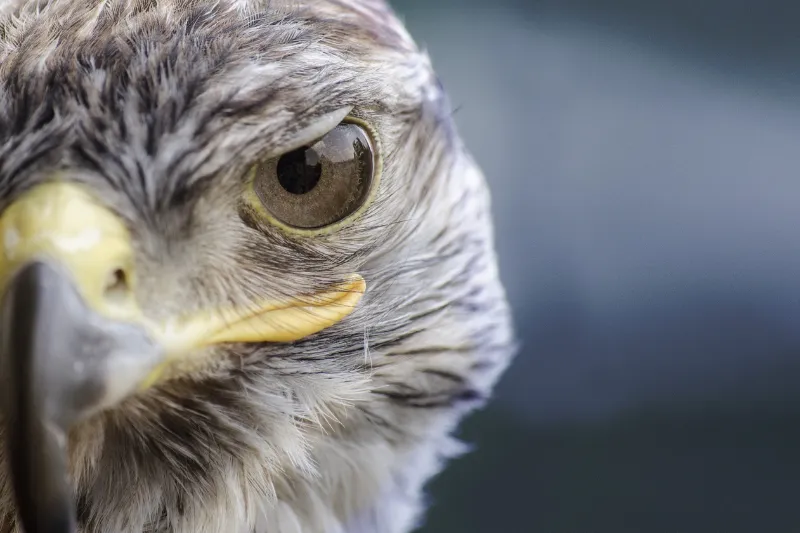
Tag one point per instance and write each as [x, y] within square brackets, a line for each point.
[299, 171]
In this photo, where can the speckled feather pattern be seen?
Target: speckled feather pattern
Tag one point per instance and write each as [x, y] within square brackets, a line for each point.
[160, 106]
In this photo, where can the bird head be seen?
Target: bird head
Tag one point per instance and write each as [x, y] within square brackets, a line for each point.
[246, 267]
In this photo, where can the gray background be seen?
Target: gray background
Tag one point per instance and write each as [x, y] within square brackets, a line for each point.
[643, 157]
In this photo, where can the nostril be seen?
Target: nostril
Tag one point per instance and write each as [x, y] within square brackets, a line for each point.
[117, 289]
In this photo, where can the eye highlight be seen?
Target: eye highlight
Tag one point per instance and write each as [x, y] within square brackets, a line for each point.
[322, 183]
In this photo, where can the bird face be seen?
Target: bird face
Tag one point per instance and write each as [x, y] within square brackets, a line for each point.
[246, 268]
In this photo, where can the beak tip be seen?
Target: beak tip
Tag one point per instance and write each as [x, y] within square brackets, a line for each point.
[61, 362]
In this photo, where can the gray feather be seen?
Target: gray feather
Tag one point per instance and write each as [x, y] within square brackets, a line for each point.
[160, 106]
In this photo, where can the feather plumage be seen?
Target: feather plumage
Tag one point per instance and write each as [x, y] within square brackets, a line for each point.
[160, 106]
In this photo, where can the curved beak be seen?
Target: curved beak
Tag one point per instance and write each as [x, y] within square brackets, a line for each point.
[73, 339]
[57, 359]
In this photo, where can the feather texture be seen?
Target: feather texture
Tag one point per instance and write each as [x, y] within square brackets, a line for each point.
[161, 106]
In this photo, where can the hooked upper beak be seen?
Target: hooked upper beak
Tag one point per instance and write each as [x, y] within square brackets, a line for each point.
[73, 339]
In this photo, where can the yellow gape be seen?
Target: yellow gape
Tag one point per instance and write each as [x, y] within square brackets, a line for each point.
[62, 224]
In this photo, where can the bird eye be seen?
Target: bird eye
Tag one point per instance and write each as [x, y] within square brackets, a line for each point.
[321, 183]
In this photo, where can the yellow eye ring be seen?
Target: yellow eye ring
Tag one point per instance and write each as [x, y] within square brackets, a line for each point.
[255, 202]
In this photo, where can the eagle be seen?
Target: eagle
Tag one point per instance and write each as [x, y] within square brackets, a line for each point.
[247, 269]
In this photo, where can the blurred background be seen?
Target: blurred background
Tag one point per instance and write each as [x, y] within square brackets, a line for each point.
[643, 157]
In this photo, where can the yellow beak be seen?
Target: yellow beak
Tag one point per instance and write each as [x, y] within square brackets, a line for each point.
[61, 224]
[74, 340]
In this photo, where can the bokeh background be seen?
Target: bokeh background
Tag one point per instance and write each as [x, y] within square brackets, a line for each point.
[643, 157]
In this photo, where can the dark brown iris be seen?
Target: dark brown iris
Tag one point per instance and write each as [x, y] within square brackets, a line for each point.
[319, 184]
